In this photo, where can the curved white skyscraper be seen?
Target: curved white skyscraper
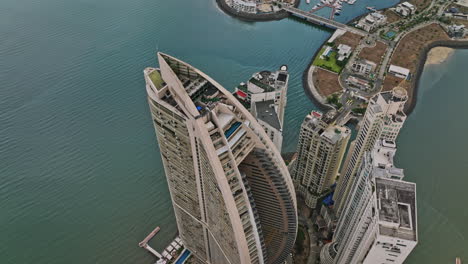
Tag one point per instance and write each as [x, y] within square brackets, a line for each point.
[233, 197]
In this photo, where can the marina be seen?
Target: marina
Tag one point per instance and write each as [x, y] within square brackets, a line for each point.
[335, 5]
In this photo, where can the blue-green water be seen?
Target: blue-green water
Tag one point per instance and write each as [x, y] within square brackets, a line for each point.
[432, 150]
[81, 179]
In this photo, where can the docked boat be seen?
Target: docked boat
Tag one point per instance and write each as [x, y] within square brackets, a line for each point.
[308, 1]
[458, 261]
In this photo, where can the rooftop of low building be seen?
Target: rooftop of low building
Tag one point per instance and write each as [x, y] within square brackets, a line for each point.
[270, 81]
[266, 112]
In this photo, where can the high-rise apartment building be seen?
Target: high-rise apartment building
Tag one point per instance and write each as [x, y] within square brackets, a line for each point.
[320, 150]
[233, 198]
[378, 224]
[265, 96]
[383, 120]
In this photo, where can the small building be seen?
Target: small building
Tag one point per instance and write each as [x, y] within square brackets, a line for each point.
[358, 83]
[244, 6]
[364, 67]
[399, 71]
[456, 31]
[460, 16]
[326, 53]
[267, 116]
[343, 52]
[372, 21]
[265, 96]
[405, 9]
[453, 10]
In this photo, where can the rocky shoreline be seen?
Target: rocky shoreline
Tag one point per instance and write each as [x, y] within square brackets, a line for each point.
[253, 17]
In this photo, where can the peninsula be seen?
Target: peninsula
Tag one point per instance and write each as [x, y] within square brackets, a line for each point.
[351, 68]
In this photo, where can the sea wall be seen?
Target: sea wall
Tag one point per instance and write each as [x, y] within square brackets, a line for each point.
[308, 90]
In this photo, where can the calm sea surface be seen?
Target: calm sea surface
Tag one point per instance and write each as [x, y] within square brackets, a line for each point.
[81, 180]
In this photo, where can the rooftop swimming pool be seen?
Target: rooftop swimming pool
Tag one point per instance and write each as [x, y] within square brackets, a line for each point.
[183, 257]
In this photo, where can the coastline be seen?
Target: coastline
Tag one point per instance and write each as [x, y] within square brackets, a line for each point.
[453, 44]
[247, 17]
[438, 55]
[423, 57]
[312, 92]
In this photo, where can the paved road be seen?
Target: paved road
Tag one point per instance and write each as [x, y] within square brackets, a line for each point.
[314, 249]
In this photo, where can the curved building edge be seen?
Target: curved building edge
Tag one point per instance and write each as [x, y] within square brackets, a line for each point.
[274, 183]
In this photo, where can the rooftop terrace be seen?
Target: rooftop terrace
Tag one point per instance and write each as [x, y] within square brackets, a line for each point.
[397, 208]
[262, 84]
[156, 78]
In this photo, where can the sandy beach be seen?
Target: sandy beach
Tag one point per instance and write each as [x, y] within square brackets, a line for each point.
[438, 55]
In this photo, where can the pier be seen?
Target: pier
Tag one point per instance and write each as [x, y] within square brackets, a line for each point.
[322, 21]
[168, 254]
[144, 243]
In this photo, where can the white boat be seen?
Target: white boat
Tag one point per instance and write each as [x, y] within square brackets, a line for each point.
[351, 2]
[308, 1]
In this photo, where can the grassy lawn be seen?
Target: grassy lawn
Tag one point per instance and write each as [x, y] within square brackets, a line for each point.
[155, 77]
[330, 63]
